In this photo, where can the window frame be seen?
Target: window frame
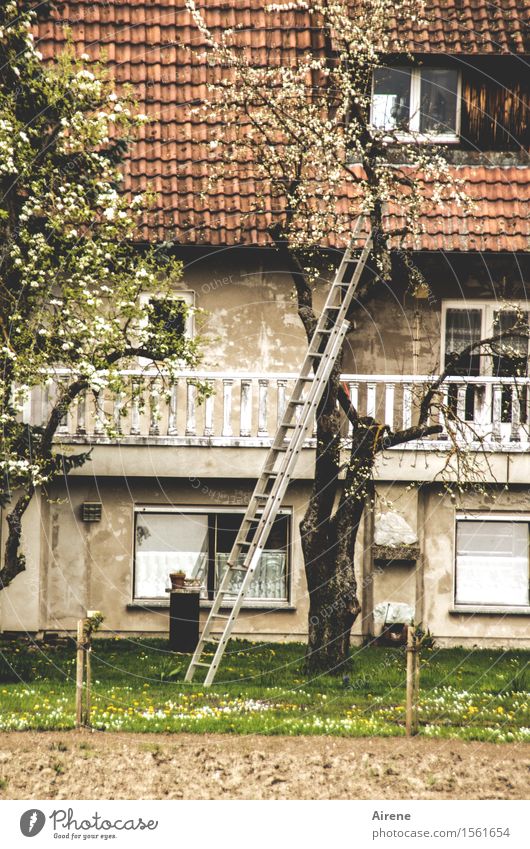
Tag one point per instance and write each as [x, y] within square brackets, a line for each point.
[478, 607]
[414, 135]
[208, 510]
[185, 295]
[488, 308]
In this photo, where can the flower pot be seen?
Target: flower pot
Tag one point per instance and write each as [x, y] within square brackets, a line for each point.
[177, 580]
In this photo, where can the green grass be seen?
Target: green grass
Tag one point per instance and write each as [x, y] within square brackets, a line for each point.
[261, 688]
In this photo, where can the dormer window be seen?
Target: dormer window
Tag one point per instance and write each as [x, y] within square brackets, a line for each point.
[417, 104]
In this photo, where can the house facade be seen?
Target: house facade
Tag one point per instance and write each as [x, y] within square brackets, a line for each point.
[168, 490]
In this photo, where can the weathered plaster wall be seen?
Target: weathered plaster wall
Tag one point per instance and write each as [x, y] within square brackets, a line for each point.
[19, 602]
[90, 566]
[469, 628]
[250, 318]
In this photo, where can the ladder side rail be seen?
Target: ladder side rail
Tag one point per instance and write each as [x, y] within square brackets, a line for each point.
[281, 479]
[268, 515]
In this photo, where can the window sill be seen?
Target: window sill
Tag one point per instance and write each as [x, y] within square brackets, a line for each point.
[419, 138]
[154, 604]
[490, 609]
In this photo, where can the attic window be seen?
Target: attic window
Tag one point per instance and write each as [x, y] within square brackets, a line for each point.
[417, 104]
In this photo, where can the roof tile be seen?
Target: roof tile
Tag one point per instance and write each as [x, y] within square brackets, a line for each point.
[147, 43]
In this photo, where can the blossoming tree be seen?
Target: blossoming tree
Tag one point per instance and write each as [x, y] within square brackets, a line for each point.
[303, 133]
[70, 278]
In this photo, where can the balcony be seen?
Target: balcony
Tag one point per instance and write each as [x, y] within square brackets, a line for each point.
[244, 409]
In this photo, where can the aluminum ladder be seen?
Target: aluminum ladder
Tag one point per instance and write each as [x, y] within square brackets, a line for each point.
[282, 456]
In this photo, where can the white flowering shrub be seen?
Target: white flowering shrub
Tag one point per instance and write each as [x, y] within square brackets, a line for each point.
[70, 274]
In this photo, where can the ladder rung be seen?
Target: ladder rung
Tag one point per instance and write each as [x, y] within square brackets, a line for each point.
[219, 616]
[261, 495]
[199, 663]
[296, 403]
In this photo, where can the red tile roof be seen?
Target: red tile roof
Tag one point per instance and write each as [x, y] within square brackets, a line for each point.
[146, 43]
[472, 26]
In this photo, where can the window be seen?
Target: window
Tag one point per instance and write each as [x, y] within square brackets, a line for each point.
[198, 542]
[421, 103]
[464, 325]
[492, 561]
[168, 316]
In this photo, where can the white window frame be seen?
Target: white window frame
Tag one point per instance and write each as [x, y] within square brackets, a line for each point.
[489, 308]
[212, 508]
[185, 295]
[414, 134]
[499, 516]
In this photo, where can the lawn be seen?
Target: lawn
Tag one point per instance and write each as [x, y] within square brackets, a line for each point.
[260, 688]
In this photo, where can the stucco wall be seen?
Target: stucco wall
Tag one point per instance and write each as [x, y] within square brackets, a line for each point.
[20, 601]
[90, 566]
[495, 629]
[250, 319]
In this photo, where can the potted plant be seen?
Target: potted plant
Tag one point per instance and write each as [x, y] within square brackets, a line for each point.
[177, 579]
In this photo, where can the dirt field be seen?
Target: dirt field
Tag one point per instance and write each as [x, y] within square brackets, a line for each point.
[130, 766]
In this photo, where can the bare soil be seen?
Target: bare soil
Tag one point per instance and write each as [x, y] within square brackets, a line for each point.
[84, 765]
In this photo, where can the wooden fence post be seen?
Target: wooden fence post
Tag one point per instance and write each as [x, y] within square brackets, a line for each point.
[88, 652]
[413, 682]
[85, 629]
[79, 673]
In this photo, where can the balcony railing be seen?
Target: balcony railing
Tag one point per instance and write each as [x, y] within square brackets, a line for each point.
[244, 409]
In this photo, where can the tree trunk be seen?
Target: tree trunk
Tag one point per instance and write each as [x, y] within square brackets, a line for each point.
[328, 550]
[14, 562]
[333, 608]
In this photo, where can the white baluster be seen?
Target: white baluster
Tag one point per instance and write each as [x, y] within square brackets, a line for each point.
[407, 405]
[46, 393]
[443, 412]
[172, 414]
[191, 395]
[245, 410]
[263, 397]
[81, 414]
[99, 422]
[280, 409]
[135, 408]
[27, 407]
[227, 406]
[497, 412]
[389, 405]
[370, 399]
[208, 412]
[63, 425]
[461, 402]
[154, 408]
[354, 399]
[117, 411]
[516, 415]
